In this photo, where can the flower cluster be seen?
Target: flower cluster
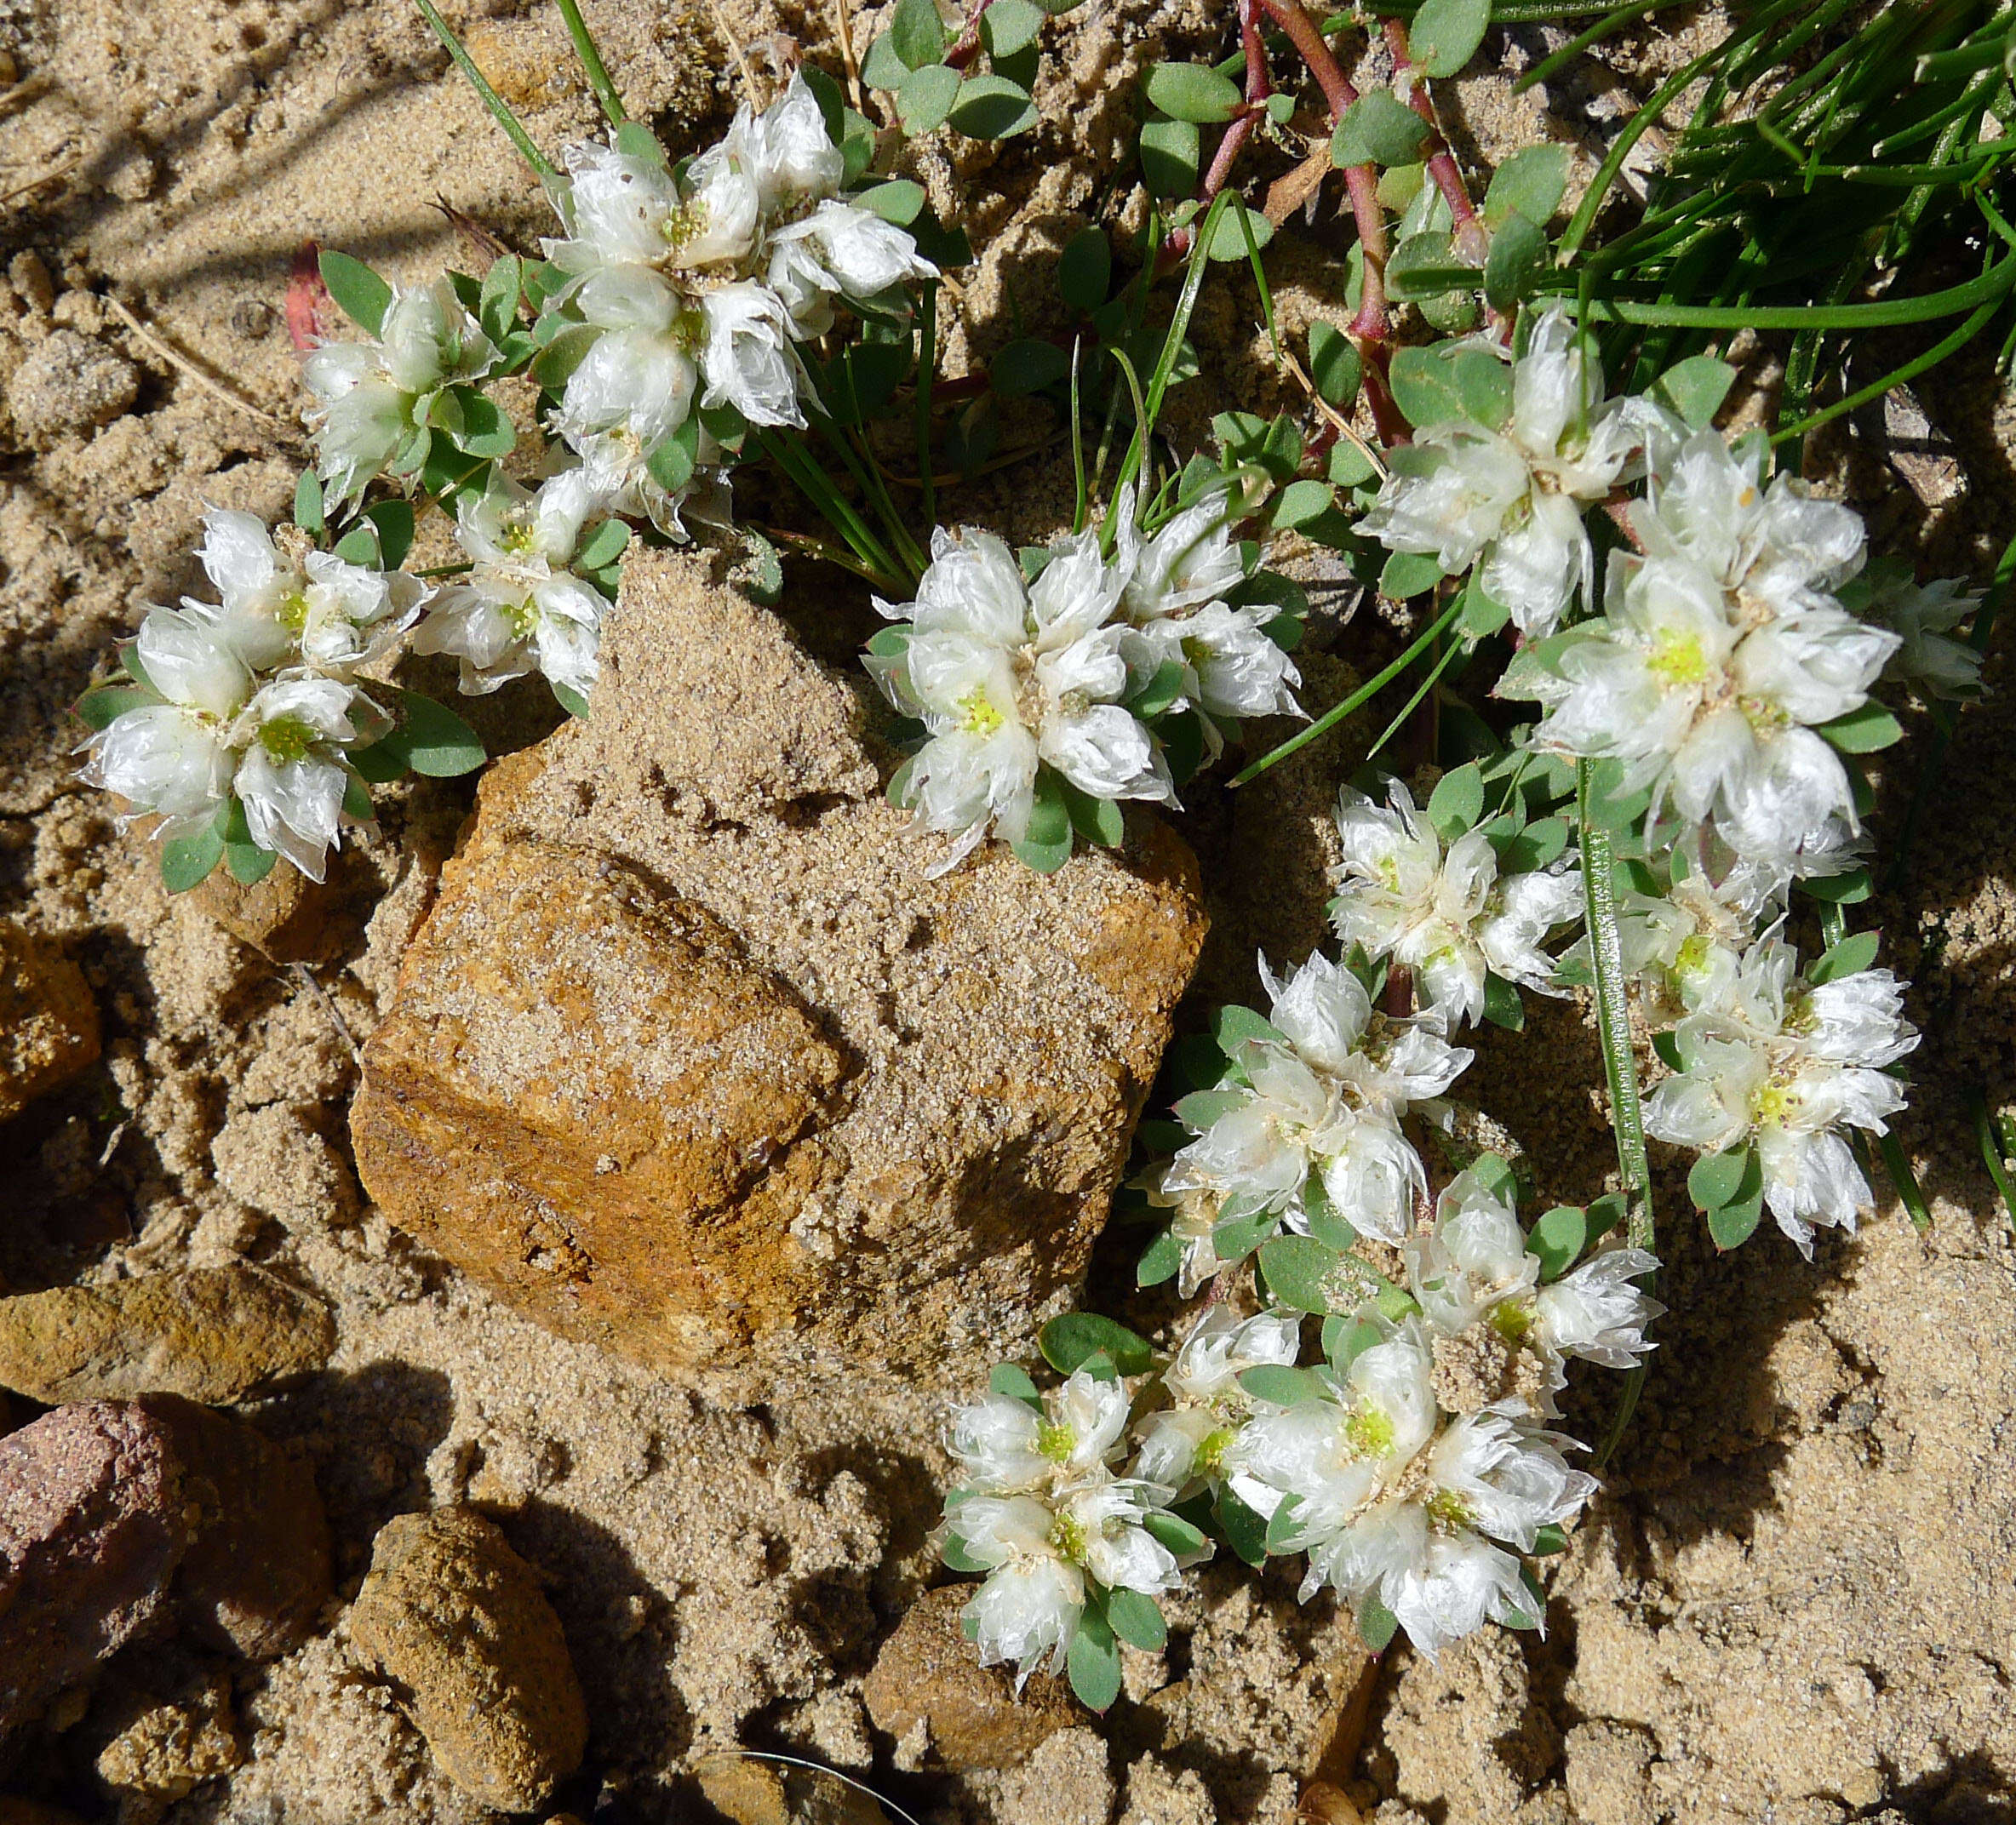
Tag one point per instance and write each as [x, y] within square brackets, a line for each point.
[1452, 915]
[1779, 1063]
[693, 286]
[250, 704]
[1306, 1126]
[1029, 691]
[1511, 499]
[1413, 1463]
[1042, 1512]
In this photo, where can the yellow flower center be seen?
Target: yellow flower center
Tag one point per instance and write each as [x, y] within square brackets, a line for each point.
[1371, 1433]
[286, 740]
[1678, 660]
[1447, 1511]
[1068, 1537]
[1054, 1441]
[978, 716]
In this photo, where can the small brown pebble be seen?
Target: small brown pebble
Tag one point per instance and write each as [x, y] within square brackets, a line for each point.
[48, 1022]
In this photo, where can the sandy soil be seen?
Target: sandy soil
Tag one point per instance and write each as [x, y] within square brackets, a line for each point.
[1796, 1600]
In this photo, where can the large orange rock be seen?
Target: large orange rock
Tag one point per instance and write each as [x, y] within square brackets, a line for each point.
[690, 1060]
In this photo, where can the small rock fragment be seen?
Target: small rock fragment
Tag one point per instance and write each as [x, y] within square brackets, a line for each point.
[212, 1335]
[1067, 1782]
[162, 1745]
[928, 1671]
[48, 1022]
[273, 1162]
[92, 1529]
[457, 1618]
[750, 1791]
[286, 916]
[69, 385]
[257, 1573]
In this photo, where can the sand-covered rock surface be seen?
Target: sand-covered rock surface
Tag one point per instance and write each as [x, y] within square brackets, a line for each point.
[1796, 1599]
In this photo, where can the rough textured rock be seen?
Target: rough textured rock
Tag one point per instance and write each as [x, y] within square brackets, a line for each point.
[272, 1160]
[457, 1618]
[92, 1529]
[758, 1793]
[209, 1333]
[160, 1743]
[1067, 1782]
[690, 1060]
[117, 1517]
[69, 385]
[286, 917]
[928, 1673]
[48, 1022]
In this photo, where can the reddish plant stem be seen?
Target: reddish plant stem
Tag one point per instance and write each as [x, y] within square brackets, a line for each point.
[967, 46]
[1441, 164]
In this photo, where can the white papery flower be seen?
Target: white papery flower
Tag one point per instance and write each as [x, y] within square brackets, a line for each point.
[840, 250]
[1773, 550]
[520, 609]
[1324, 1103]
[1182, 1446]
[1007, 1447]
[1038, 1556]
[1190, 560]
[1774, 1061]
[1515, 497]
[292, 778]
[1713, 715]
[1447, 915]
[370, 395]
[1923, 615]
[1334, 1457]
[1473, 1267]
[1005, 676]
[640, 382]
[747, 360]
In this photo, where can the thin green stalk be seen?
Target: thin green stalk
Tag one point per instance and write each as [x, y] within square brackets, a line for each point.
[591, 61]
[1575, 46]
[1969, 329]
[1995, 1148]
[1081, 495]
[817, 487]
[500, 110]
[1903, 1181]
[927, 372]
[1620, 1060]
[1172, 343]
[1332, 717]
[1421, 690]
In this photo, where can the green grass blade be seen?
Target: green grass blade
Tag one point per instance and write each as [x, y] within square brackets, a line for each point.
[591, 61]
[500, 110]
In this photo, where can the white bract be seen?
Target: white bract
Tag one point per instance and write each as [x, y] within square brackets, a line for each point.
[520, 609]
[371, 395]
[1473, 1268]
[701, 283]
[1445, 914]
[1006, 676]
[1007, 1447]
[1181, 1447]
[1773, 1061]
[1319, 1118]
[1923, 615]
[1515, 496]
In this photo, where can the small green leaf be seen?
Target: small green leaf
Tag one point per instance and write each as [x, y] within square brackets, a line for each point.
[563, 352]
[1309, 1276]
[953, 1551]
[486, 429]
[1160, 691]
[1695, 388]
[1026, 366]
[1244, 1531]
[357, 800]
[1094, 1661]
[1346, 1339]
[1049, 817]
[1558, 1236]
[1137, 1619]
[1530, 183]
[1718, 1179]
[1547, 1540]
[1174, 1532]
[636, 140]
[363, 296]
[1518, 257]
[1733, 1224]
[1606, 1214]
[1457, 801]
[1282, 1387]
[1377, 1625]
[918, 32]
[1201, 1108]
[602, 547]
[1444, 34]
[1501, 1004]
[1234, 1027]
[1539, 843]
[1374, 129]
[1447, 382]
[100, 708]
[1012, 1380]
[884, 68]
[433, 740]
[1067, 1342]
[186, 862]
[1302, 502]
[991, 107]
[307, 503]
[394, 521]
[898, 201]
[1847, 890]
[1334, 365]
[1009, 25]
[249, 864]
[1864, 731]
[927, 98]
[1853, 954]
[570, 700]
[673, 460]
[1191, 92]
[1084, 270]
[503, 284]
[1171, 150]
[359, 545]
[1409, 574]
[1162, 1260]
